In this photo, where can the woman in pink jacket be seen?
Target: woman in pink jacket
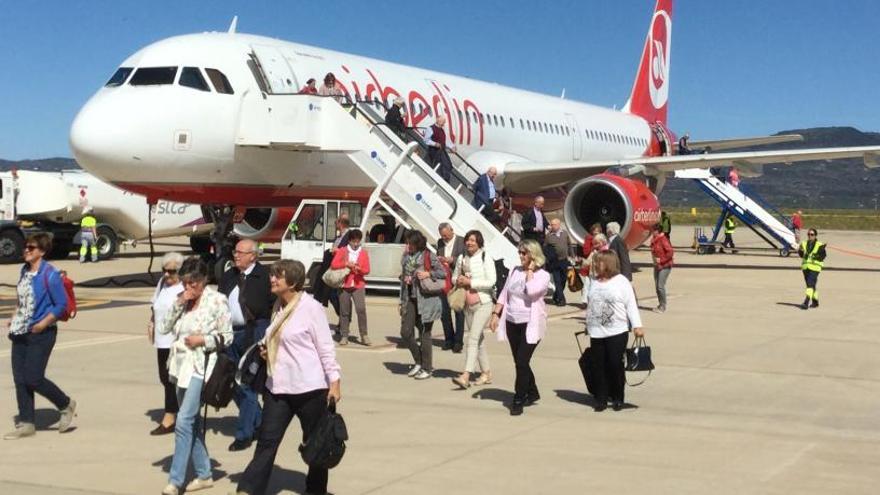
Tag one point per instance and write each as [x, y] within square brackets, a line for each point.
[520, 317]
[355, 258]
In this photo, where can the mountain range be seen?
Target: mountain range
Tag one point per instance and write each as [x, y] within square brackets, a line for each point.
[810, 185]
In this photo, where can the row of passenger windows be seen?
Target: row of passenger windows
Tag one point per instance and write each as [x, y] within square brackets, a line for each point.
[190, 77]
[538, 126]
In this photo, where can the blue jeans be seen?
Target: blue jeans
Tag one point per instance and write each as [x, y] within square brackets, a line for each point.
[30, 356]
[249, 412]
[188, 439]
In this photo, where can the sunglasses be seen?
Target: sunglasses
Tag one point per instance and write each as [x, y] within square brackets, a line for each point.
[811, 235]
[169, 271]
[31, 247]
[523, 253]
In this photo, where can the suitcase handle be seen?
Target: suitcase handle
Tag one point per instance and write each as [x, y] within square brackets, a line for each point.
[576, 339]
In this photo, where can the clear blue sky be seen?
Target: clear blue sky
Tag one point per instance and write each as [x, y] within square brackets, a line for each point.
[742, 68]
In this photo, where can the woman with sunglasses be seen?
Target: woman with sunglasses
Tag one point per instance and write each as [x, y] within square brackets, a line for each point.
[166, 293]
[812, 251]
[520, 317]
[41, 302]
[200, 321]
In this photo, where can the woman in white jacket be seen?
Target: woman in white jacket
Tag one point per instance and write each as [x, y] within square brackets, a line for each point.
[610, 314]
[475, 272]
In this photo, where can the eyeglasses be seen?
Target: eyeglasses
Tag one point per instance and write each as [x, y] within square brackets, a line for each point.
[170, 271]
[31, 247]
[242, 252]
[811, 235]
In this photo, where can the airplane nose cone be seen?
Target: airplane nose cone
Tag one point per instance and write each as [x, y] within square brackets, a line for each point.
[97, 137]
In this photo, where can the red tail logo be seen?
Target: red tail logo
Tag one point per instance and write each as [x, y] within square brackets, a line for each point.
[650, 93]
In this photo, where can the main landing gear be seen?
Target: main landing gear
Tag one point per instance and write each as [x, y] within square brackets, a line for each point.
[222, 238]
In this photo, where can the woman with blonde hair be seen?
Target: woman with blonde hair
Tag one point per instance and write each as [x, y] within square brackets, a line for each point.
[610, 314]
[520, 317]
[164, 297]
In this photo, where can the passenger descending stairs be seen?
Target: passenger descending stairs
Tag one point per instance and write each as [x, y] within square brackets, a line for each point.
[747, 209]
[305, 122]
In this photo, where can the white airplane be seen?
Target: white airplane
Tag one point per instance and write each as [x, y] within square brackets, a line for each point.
[172, 123]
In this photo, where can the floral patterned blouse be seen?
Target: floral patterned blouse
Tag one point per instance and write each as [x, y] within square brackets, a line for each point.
[25, 309]
[210, 319]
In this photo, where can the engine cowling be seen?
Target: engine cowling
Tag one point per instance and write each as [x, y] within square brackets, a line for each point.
[264, 224]
[608, 198]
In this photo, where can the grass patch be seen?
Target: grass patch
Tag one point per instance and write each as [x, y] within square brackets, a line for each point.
[867, 220]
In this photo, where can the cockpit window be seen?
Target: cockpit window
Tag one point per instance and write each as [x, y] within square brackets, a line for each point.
[218, 79]
[153, 76]
[119, 77]
[191, 77]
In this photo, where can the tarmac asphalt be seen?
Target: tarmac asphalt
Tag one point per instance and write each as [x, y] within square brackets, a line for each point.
[750, 395]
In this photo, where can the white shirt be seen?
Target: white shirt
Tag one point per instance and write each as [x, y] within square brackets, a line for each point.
[353, 254]
[163, 299]
[612, 307]
[447, 248]
[539, 220]
[235, 308]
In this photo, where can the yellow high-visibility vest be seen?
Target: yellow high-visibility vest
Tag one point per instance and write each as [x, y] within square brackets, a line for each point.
[729, 226]
[88, 222]
[810, 262]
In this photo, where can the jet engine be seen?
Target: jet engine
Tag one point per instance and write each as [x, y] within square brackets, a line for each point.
[264, 224]
[609, 198]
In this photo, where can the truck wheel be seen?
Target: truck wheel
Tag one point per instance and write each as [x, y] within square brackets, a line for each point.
[107, 242]
[61, 249]
[200, 244]
[11, 246]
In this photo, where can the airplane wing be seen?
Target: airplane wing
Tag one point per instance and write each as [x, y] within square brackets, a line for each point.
[726, 144]
[530, 177]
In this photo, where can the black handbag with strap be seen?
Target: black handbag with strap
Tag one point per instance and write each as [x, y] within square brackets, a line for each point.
[638, 358]
[219, 388]
[326, 444]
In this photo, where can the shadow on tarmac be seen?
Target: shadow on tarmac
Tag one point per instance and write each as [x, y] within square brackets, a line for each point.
[129, 280]
[282, 480]
[585, 399]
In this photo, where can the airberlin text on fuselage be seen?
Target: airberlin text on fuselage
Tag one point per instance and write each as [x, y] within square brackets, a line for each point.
[457, 115]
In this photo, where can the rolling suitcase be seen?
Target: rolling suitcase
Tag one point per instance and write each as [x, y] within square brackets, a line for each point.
[585, 361]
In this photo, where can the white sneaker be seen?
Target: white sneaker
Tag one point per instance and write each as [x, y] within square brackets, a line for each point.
[422, 375]
[414, 370]
[199, 484]
[170, 490]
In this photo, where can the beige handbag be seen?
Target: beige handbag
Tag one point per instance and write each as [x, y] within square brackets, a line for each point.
[457, 299]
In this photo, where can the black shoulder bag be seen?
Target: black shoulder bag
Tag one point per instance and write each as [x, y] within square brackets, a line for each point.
[638, 358]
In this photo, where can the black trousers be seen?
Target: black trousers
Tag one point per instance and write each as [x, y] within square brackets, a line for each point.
[609, 375]
[278, 411]
[522, 355]
[728, 241]
[560, 277]
[171, 406]
[30, 357]
[437, 155]
[811, 278]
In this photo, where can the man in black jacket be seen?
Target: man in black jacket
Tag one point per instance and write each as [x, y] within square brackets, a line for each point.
[394, 118]
[246, 285]
[449, 248]
[616, 244]
[534, 223]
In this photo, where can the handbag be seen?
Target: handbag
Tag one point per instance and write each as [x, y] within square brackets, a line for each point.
[575, 284]
[430, 286]
[252, 371]
[457, 299]
[638, 358]
[335, 277]
[220, 386]
[472, 298]
[326, 444]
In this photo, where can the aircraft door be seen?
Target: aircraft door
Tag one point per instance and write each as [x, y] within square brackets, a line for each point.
[306, 235]
[276, 71]
[576, 138]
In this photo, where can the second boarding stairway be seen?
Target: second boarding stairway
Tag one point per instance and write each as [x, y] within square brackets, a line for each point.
[401, 177]
[754, 213]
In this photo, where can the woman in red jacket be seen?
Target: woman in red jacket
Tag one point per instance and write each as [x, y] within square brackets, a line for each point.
[355, 258]
[661, 251]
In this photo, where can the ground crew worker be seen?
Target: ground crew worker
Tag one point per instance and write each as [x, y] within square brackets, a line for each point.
[665, 224]
[729, 227]
[813, 253]
[88, 235]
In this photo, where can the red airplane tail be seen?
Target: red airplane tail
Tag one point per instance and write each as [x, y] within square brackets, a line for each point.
[650, 94]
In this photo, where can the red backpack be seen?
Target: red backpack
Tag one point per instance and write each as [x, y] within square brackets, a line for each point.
[69, 310]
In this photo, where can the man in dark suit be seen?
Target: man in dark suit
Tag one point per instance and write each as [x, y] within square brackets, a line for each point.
[485, 194]
[449, 248]
[394, 118]
[616, 244]
[246, 285]
[534, 223]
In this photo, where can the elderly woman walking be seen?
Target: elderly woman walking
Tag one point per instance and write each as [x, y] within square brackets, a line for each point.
[41, 302]
[475, 272]
[201, 323]
[167, 291]
[610, 314]
[303, 376]
[419, 309]
[520, 317]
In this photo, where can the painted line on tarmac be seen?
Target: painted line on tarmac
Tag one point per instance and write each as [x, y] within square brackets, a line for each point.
[86, 343]
[854, 253]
